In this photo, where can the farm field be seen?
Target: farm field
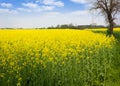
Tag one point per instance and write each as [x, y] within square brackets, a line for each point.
[59, 58]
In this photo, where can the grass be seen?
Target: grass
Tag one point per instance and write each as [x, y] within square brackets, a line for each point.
[115, 72]
[59, 58]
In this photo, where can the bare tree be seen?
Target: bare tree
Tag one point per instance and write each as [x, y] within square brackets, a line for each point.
[110, 9]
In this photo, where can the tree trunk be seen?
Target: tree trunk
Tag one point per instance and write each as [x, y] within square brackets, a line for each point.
[111, 27]
[111, 23]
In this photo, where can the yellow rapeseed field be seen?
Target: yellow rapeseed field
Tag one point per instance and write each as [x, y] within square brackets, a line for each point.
[54, 58]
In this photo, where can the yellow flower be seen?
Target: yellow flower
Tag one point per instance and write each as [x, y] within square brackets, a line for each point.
[11, 63]
[50, 59]
[63, 62]
[18, 84]
[2, 75]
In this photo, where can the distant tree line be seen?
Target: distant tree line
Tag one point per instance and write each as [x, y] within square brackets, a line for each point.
[71, 26]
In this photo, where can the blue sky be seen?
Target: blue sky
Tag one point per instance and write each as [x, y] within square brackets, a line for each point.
[44, 13]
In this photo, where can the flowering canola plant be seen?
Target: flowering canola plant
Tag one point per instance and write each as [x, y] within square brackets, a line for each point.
[54, 57]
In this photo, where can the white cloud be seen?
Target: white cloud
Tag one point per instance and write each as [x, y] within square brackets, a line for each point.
[79, 1]
[6, 11]
[47, 7]
[50, 18]
[34, 7]
[7, 5]
[51, 2]
[23, 9]
[30, 5]
[80, 12]
[42, 5]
